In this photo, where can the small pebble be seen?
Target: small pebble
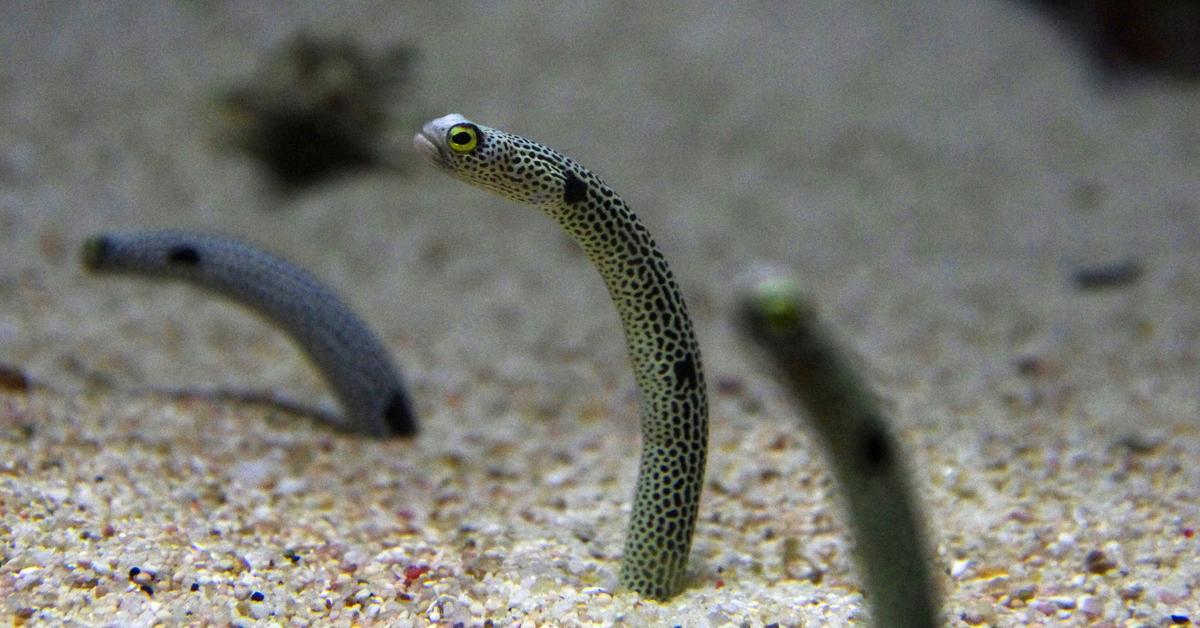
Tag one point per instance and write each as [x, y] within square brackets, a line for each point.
[1091, 606]
[960, 567]
[12, 378]
[1033, 366]
[1111, 275]
[1132, 592]
[1026, 592]
[1172, 596]
[291, 486]
[1021, 515]
[1139, 443]
[1064, 603]
[729, 385]
[1064, 544]
[1098, 562]
[1045, 607]
[978, 613]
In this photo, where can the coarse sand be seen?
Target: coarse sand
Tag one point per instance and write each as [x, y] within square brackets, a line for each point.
[934, 172]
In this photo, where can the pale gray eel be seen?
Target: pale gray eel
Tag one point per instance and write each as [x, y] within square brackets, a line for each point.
[354, 363]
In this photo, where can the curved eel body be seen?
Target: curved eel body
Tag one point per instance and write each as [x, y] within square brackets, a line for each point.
[350, 358]
[658, 330]
[867, 460]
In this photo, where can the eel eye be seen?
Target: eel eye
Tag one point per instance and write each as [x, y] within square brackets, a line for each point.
[463, 138]
[782, 306]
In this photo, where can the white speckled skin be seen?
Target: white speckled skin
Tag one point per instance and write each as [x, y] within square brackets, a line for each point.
[352, 360]
[658, 331]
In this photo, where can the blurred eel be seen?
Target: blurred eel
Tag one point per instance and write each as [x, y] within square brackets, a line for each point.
[890, 541]
[353, 362]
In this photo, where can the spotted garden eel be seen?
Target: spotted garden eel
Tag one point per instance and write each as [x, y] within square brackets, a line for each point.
[658, 331]
[350, 358]
[867, 460]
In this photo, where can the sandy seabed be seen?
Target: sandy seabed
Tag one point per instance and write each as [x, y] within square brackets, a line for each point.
[934, 175]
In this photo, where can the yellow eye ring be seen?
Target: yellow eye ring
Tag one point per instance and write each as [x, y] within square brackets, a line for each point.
[462, 138]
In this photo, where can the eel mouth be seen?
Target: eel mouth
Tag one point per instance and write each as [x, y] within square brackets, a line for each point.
[426, 143]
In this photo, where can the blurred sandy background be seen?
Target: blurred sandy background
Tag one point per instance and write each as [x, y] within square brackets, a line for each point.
[934, 172]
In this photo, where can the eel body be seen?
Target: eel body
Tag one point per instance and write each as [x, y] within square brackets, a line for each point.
[867, 461]
[354, 363]
[658, 331]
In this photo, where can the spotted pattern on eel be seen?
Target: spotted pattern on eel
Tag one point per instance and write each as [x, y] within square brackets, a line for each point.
[658, 331]
[350, 358]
